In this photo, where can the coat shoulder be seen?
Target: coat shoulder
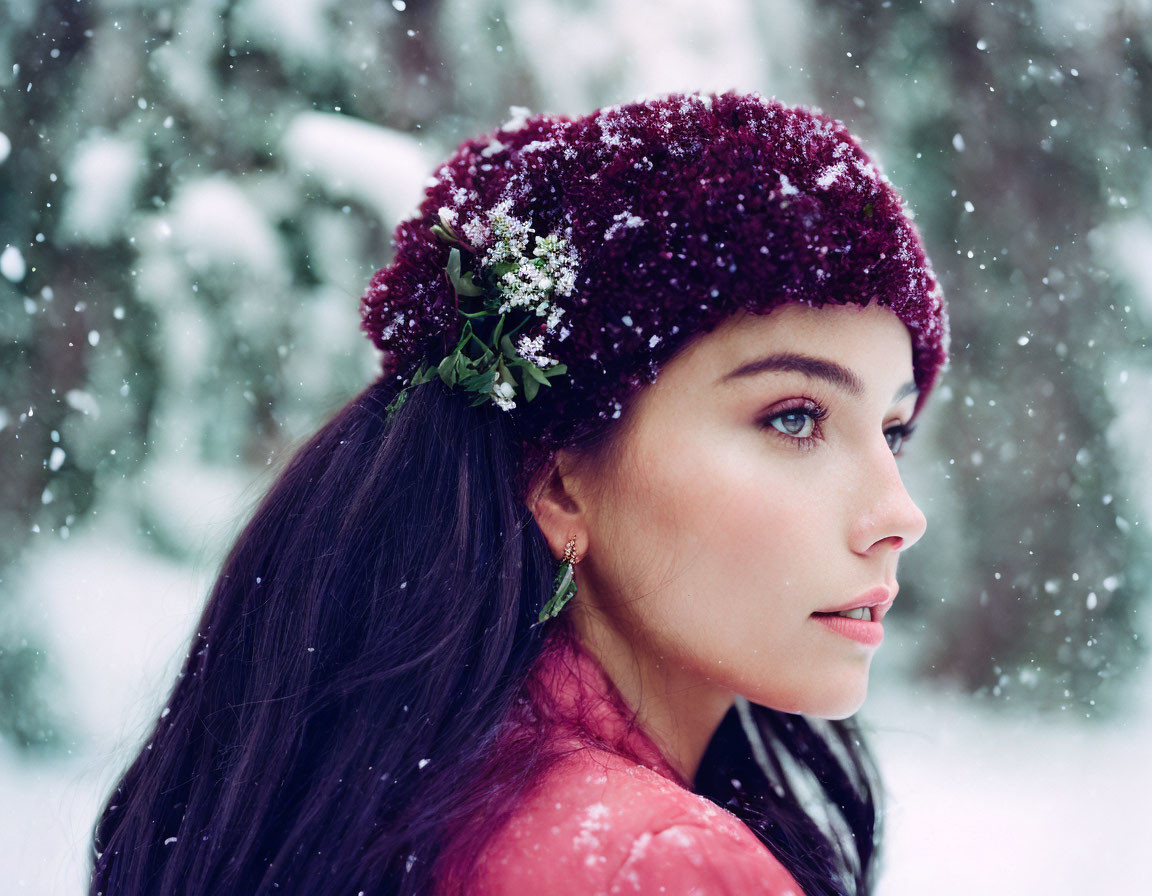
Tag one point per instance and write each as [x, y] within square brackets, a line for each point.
[600, 823]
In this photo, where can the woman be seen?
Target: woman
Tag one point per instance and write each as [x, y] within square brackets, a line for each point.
[579, 595]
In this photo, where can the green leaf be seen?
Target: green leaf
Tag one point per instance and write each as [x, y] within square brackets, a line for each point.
[447, 370]
[396, 403]
[443, 235]
[564, 589]
[463, 284]
[531, 387]
[470, 286]
[536, 374]
[556, 370]
[507, 347]
[479, 382]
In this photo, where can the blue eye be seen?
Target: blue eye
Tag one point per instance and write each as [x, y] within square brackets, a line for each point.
[898, 435]
[799, 424]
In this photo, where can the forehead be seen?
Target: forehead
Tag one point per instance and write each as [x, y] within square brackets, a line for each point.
[869, 339]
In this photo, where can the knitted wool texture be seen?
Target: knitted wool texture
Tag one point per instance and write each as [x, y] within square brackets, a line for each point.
[683, 210]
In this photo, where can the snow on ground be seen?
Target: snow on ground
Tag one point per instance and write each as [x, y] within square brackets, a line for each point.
[980, 802]
[118, 620]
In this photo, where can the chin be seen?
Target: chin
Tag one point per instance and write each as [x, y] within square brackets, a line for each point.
[840, 705]
[824, 703]
[836, 715]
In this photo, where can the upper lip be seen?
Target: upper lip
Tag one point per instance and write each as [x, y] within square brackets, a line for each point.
[879, 599]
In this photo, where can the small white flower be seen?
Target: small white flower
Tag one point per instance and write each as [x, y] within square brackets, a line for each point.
[554, 318]
[532, 349]
[505, 404]
[528, 281]
[477, 232]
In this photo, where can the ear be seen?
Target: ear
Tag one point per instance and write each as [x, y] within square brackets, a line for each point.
[557, 504]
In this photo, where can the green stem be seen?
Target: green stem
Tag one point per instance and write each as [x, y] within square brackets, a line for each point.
[518, 326]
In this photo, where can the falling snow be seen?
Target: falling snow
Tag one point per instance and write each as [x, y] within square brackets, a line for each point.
[12, 264]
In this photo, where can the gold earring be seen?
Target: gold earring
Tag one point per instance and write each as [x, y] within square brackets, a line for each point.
[564, 586]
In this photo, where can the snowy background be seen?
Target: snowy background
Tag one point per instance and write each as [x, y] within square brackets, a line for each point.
[194, 195]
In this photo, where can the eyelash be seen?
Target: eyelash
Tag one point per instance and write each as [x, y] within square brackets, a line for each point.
[808, 408]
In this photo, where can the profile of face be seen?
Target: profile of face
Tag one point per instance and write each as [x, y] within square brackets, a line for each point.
[753, 485]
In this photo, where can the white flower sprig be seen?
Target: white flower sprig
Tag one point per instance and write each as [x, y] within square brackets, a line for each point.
[509, 282]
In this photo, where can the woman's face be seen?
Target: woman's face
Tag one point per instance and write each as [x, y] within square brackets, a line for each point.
[753, 485]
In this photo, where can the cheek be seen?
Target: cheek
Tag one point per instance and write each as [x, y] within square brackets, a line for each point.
[710, 536]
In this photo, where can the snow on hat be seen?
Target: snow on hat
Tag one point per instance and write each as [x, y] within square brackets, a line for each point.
[678, 211]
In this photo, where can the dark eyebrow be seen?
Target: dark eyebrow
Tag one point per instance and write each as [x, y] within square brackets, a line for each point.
[909, 388]
[819, 368]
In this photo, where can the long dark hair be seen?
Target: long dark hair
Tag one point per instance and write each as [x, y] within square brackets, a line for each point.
[338, 724]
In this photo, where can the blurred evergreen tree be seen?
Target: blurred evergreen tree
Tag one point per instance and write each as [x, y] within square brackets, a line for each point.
[45, 317]
[1019, 131]
[199, 192]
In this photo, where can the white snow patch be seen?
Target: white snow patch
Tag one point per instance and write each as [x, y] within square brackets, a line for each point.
[493, 147]
[297, 30]
[116, 621]
[591, 826]
[102, 178]
[1064, 790]
[519, 118]
[12, 264]
[353, 159]
[650, 48]
[83, 402]
[1123, 245]
[620, 222]
[215, 221]
[830, 175]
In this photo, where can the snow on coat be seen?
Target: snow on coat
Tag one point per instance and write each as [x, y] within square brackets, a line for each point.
[613, 817]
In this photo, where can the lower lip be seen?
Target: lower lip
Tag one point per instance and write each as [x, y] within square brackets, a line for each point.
[870, 633]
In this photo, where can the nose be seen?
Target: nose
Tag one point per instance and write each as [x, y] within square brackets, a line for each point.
[887, 516]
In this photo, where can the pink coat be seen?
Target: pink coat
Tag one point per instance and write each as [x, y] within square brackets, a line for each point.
[613, 817]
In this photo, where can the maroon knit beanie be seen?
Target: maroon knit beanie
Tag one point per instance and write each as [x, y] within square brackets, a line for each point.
[681, 210]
